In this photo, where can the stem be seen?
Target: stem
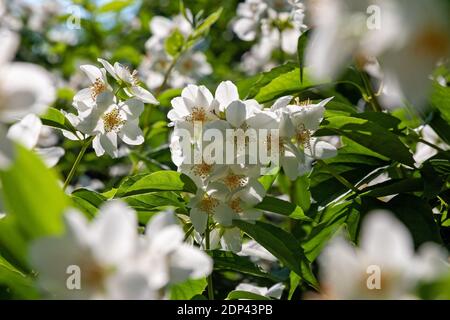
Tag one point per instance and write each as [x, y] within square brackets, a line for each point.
[77, 162]
[188, 233]
[338, 177]
[210, 280]
[167, 74]
[373, 98]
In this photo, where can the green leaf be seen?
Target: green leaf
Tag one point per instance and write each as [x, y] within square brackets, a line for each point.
[254, 84]
[394, 186]
[206, 24]
[174, 43]
[301, 46]
[284, 84]
[32, 193]
[282, 245]
[417, 215]
[88, 200]
[333, 218]
[114, 6]
[371, 136]
[188, 289]
[228, 261]
[440, 99]
[20, 285]
[246, 295]
[282, 207]
[157, 181]
[54, 118]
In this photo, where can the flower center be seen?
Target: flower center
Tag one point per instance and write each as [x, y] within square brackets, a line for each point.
[234, 181]
[208, 204]
[197, 114]
[97, 87]
[202, 170]
[112, 120]
[303, 136]
[235, 205]
[432, 42]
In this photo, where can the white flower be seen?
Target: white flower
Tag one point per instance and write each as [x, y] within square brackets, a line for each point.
[107, 120]
[386, 251]
[162, 27]
[296, 124]
[196, 104]
[274, 291]
[254, 250]
[165, 259]
[114, 261]
[249, 14]
[24, 88]
[407, 33]
[205, 205]
[28, 132]
[133, 89]
[99, 249]
[99, 84]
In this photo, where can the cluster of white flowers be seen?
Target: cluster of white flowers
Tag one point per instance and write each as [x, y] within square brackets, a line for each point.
[108, 259]
[400, 34]
[276, 24]
[190, 67]
[230, 190]
[384, 266]
[102, 115]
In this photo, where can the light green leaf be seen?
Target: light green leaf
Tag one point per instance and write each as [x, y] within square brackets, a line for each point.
[114, 6]
[174, 43]
[245, 295]
[282, 207]
[188, 289]
[54, 118]
[157, 181]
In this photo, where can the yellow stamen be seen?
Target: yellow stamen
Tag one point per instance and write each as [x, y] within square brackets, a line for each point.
[97, 87]
[112, 120]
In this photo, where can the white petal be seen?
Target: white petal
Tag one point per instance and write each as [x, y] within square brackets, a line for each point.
[84, 95]
[26, 131]
[115, 234]
[92, 72]
[123, 72]
[281, 103]
[28, 89]
[226, 93]
[50, 155]
[10, 43]
[189, 262]
[245, 29]
[199, 219]
[144, 95]
[133, 108]
[386, 241]
[224, 215]
[106, 143]
[236, 113]
[108, 67]
[232, 240]
[290, 165]
[321, 149]
[131, 134]
[275, 291]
